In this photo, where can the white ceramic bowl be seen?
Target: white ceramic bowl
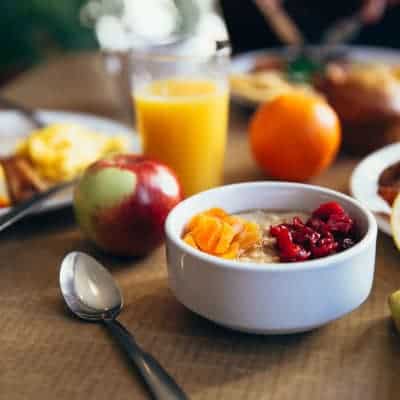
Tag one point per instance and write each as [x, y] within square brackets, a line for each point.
[270, 298]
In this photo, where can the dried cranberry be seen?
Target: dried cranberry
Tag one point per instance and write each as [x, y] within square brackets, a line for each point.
[289, 251]
[306, 235]
[303, 254]
[324, 247]
[283, 236]
[328, 235]
[317, 225]
[341, 223]
[324, 211]
[280, 231]
[295, 253]
[297, 223]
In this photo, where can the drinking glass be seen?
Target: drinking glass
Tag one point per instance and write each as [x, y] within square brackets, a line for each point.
[181, 112]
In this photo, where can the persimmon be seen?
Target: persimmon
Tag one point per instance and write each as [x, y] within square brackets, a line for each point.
[295, 136]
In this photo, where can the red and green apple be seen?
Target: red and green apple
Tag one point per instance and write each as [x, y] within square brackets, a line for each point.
[121, 203]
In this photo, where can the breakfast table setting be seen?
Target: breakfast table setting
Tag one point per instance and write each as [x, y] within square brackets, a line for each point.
[48, 353]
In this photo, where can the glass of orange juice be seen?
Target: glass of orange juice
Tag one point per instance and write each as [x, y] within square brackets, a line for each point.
[181, 111]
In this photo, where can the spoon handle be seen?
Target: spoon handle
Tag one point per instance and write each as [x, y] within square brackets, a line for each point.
[161, 385]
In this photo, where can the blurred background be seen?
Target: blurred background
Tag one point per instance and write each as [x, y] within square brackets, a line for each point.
[31, 31]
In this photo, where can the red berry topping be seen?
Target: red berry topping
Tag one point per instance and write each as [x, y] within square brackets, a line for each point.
[318, 225]
[340, 223]
[298, 223]
[284, 236]
[306, 235]
[289, 251]
[324, 247]
[328, 231]
[324, 211]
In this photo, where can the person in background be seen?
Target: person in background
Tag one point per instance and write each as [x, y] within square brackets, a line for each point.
[249, 30]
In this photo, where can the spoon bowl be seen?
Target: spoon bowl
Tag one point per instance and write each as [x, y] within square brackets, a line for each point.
[88, 288]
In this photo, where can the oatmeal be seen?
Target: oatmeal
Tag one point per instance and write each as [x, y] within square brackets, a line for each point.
[266, 251]
[272, 236]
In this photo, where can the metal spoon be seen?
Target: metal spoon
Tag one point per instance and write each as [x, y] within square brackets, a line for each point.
[92, 294]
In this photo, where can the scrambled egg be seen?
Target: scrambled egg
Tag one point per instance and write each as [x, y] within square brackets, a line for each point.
[60, 152]
[265, 86]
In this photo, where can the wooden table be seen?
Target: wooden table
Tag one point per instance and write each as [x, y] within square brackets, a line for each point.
[45, 354]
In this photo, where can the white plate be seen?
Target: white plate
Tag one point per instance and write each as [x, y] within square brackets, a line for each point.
[13, 127]
[364, 182]
[244, 62]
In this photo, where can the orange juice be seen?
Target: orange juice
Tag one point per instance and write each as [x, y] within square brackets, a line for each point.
[183, 122]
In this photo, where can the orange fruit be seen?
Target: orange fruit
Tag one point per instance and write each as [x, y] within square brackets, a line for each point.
[295, 136]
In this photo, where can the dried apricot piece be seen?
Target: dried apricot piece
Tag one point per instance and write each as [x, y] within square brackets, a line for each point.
[207, 233]
[217, 212]
[227, 235]
[212, 212]
[232, 252]
[237, 223]
[193, 222]
[188, 239]
[216, 232]
[250, 235]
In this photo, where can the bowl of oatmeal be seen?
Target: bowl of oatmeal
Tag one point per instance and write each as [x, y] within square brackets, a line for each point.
[271, 257]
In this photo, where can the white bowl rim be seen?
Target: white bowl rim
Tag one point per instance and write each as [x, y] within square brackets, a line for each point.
[309, 265]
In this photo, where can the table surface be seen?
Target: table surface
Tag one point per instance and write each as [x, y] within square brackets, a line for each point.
[46, 354]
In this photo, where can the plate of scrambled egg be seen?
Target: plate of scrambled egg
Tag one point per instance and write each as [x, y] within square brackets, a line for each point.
[62, 149]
